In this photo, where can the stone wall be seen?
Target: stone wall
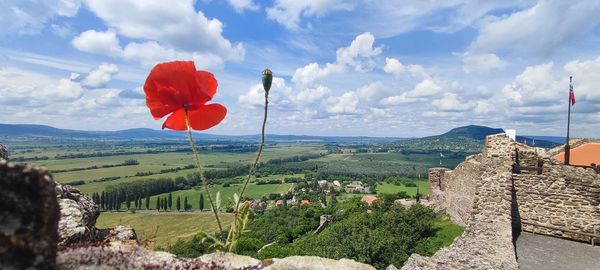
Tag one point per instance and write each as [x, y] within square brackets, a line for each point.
[487, 242]
[454, 191]
[559, 202]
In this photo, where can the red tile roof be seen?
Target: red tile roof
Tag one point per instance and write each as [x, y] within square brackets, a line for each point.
[369, 199]
[583, 155]
[304, 202]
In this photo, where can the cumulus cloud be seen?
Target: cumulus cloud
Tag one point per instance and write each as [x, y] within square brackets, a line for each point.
[358, 55]
[279, 95]
[100, 75]
[29, 16]
[289, 12]
[481, 63]
[23, 87]
[449, 103]
[534, 86]
[541, 29]
[426, 88]
[242, 5]
[184, 33]
[393, 66]
[345, 104]
[92, 41]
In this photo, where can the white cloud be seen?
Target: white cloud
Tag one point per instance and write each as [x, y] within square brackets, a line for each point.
[100, 76]
[312, 72]
[92, 41]
[481, 63]
[535, 85]
[426, 88]
[150, 53]
[172, 24]
[312, 95]
[586, 75]
[279, 95]
[345, 104]
[372, 92]
[242, 5]
[541, 29]
[358, 56]
[289, 12]
[449, 103]
[19, 87]
[393, 65]
[29, 16]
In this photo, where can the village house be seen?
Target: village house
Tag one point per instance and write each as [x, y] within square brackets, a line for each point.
[369, 199]
[356, 186]
[304, 202]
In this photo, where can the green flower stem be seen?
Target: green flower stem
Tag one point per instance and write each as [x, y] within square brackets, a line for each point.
[201, 171]
[253, 167]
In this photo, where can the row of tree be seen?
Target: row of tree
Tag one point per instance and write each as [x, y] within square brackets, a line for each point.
[112, 201]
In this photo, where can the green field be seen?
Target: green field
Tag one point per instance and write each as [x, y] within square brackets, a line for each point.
[164, 228]
[156, 162]
[412, 191]
[253, 191]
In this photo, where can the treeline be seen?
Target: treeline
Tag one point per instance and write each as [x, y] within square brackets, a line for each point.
[23, 159]
[112, 201]
[128, 162]
[139, 189]
[118, 153]
[176, 169]
[294, 158]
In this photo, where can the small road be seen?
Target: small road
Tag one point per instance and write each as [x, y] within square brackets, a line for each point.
[537, 252]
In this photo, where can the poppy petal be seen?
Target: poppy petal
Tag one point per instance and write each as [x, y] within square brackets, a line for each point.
[207, 116]
[201, 118]
[172, 84]
[207, 83]
[176, 121]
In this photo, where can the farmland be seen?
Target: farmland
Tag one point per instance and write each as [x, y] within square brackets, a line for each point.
[163, 228]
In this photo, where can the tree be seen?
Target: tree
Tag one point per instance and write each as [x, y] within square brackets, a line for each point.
[201, 202]
[333, 200]
[185, 204]
[165, 204]
[178, 203]
[147, 201]
[158, 204]
[102, 200]
[170, 201]
[127, 202]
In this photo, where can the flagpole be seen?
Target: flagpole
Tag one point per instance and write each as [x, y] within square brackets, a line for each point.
[567, 147]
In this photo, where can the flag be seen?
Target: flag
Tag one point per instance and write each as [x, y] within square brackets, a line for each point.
[571, 93]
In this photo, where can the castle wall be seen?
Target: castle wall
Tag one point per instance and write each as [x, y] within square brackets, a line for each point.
[560, 200]
[454, 191]
[487, 242]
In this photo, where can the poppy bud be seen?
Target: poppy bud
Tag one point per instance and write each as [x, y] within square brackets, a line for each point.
[267, 79]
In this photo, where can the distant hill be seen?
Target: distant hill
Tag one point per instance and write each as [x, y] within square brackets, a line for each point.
[471, 132]
[25, 130]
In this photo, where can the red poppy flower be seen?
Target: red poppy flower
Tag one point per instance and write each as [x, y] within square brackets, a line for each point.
[174, 86]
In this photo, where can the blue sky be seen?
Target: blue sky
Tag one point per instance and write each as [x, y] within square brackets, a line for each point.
[342, 67]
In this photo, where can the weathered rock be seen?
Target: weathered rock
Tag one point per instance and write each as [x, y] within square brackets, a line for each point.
[78, 216]
[29, 215]
[313, 262]
[3, 152]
